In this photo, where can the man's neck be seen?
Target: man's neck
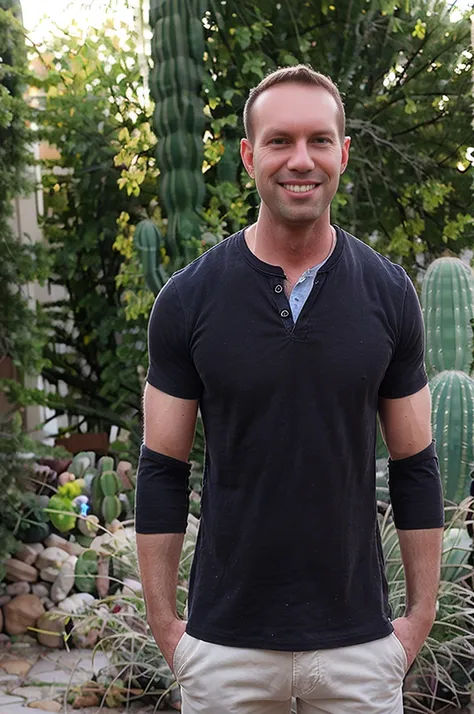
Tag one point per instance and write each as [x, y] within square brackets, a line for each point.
[293, 248]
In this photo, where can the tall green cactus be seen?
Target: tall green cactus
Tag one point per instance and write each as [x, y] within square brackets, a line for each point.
[448, 306]
[453, 428]
[178, 120]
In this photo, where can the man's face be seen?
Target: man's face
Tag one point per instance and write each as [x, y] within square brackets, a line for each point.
[296, 155]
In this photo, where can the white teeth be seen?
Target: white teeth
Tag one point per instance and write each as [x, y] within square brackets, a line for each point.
[299, 189]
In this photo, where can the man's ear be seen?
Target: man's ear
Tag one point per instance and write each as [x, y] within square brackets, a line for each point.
[345, 153]
[246, 152]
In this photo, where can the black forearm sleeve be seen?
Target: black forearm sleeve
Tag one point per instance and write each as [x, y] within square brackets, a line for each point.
[162, 495]
[415, 491]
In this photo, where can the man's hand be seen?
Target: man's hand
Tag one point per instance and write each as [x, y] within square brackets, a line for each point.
[167, 639]
[412, 632]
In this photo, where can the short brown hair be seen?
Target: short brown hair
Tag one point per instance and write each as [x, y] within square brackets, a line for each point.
[299, 74]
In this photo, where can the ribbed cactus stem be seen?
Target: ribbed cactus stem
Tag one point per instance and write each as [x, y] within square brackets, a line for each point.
[178, 120]
[453, 428]
[448, 307]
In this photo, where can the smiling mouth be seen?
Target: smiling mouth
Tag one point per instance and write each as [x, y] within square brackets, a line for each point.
[300, 188]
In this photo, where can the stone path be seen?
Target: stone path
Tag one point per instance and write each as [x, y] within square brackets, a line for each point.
[34, 680]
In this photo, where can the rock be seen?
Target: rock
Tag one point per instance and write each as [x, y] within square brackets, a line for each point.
[41, 589]
[65, 477]
[25, 641]
[17, 571]
[51, 557]
[88, 526]
[1, 620]
[124, 469]
[55, 541]
[19, 588]
[21, 613]
[49, 604]
[75, 603]
[28, 553]
[21, 667]
[52, 626]
[46, 705]
[132, 588]
[4, 640]
[76, 548]
[64, 583]
[115, 526]
[3, 600]
[100, 542]
[49, 574]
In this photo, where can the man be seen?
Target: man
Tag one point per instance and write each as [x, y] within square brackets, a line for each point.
[290, 336]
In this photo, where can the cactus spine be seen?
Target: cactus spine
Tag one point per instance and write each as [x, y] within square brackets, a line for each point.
[178, 120]
[448, 306]
[453, 428]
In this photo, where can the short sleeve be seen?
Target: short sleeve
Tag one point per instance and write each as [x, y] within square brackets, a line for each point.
[171, 368]
[406, 372]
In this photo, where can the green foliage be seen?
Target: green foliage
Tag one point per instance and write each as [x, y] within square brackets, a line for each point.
[404, 72]
[21, 326]
[448, 306]
[12, 473]
[453, 428]
[91, 89]
[405, 75]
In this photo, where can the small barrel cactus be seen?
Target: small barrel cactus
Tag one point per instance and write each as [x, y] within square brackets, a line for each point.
[111, 508]
[448, 307]
[105, 490]
[86, 570]
[453, 428]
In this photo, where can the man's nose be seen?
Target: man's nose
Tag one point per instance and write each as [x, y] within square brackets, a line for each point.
[300, 159]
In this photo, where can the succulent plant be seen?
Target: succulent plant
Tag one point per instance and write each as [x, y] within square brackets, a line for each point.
[106, 488]
[85, 570]
[448, 306]
[111, 508]
[61, 513]
[81, 462]
[453, 428]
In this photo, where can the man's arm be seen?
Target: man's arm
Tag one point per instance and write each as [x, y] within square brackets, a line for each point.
[406, 428]
[169, 431]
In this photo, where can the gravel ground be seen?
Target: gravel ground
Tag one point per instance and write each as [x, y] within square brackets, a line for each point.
[34, 680]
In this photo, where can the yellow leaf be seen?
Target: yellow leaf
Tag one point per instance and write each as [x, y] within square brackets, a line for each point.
[72, 111]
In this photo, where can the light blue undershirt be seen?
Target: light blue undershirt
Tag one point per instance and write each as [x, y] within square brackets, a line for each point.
[302, 289]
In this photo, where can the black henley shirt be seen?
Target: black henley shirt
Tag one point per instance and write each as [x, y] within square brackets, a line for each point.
[288, 554]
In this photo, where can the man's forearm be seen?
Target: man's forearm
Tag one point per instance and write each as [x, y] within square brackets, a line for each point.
[158, 557]
[421, 556]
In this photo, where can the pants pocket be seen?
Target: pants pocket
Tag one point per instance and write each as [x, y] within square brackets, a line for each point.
[178, 656]
[402, 652]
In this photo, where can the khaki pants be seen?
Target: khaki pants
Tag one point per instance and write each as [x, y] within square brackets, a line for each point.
[360, 679]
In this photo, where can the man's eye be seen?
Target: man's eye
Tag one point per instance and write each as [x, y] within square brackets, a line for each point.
[277, 141]
[322, 140]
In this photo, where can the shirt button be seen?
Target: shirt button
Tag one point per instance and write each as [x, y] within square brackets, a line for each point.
[284, 313]
[278, 288]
